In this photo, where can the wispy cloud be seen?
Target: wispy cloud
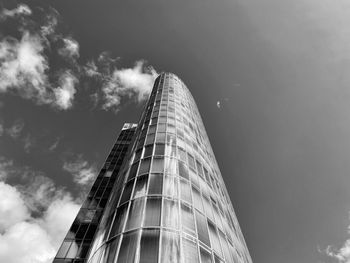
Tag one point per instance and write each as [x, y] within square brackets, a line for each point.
[21, 9]
[64, 93]
[70, 48]
[54, 145]
[83, 173]
[25, 67]
[339, 255]
[15, 130]
[23, 236]
[127, 83]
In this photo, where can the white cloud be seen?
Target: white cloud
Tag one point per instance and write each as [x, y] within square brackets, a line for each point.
[65, 92]
[83, 173]
[12, 207]
[25, 67]
[70, 48]
[26, 242]
[54, 145]
[340, 255]
[15, 130]
[21, 9]
[24, 238]
[128, 82]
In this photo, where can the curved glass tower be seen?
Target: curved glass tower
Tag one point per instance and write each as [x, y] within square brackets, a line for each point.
[169, 202]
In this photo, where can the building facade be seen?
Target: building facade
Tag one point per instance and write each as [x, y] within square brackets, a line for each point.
[169, 202]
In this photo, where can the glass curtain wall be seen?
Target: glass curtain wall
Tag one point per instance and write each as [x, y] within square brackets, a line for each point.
[170, 203]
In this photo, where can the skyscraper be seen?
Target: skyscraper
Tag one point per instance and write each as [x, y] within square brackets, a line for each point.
[168, 201]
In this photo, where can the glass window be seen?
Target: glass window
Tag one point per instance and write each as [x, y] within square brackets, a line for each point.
[225, 247]
[128, 248]
[191, 161]
[153, 208]
[206, 257]
[199, 168]
[158, 165]
[182, 154]
[159, 149]
[135, 214]
[150, 139]
[187, 219]
[170, 186]
[170, 214]
[170, 252]
[144, 166]
[141, 186]
[202, 228]
[190, 252]
[113, 245]
[152, 129]
[133, 171]
[214, 238]
[161, 127]
[63, 249]
[127, 191]
[185, 191]
[149, 246]
[155, 184]
[148, 151]
[208, 209]
[183, 171]
[197, 200]
[118, 223]
[160, 138]
[170, 165]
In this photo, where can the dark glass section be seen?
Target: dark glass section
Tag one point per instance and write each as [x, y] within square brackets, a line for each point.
[78, 240]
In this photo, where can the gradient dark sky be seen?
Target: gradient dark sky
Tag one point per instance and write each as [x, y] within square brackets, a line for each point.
[281, 135]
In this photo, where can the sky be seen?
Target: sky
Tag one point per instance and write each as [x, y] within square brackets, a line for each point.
[271, 81]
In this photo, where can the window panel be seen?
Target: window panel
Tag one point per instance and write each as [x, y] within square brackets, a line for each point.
[183, 171]
[206, 256]
[160, 148]
[149, 246]
[135, 214]
[155, 184]
[170, 165]
[158, 165]
[187, 218]
[190, 253]
[144, 166]
[153, 208]
[170, 186]
[214, 238]
[113, 246]
[202, 228]
[170, 252]
[185, 191]
[148, 151]
[128, 248]
[141, 186]
[127, 191]
[225, 247]
[170, 214]
[63, 249]
[197, 200]
[118, 223]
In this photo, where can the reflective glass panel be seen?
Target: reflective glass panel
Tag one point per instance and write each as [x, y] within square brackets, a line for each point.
[170, 252]
[149, 246]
